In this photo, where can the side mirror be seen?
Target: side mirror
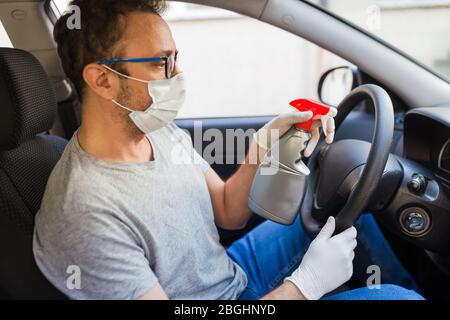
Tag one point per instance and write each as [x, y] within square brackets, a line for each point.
[336, 83]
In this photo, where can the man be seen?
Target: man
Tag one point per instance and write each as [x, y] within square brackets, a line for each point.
[136, 222]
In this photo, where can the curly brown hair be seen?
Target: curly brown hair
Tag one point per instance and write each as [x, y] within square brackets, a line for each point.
[102, 26]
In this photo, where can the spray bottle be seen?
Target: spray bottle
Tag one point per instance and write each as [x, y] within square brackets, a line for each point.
[279, 183]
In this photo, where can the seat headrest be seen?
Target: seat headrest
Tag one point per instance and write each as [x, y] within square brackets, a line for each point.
[27, 100]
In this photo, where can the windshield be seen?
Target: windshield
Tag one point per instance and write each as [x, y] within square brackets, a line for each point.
[419, 28]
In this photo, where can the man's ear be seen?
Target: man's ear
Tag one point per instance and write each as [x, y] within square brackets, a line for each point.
[102, 82]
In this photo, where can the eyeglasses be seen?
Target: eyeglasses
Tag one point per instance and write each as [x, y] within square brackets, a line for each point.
[169, 62]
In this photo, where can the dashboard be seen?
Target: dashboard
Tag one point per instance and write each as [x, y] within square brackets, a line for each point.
[419, 211]
[444, 158]
[427, 139]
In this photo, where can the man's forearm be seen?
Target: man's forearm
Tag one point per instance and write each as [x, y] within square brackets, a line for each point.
[286, 291]
[237, 188]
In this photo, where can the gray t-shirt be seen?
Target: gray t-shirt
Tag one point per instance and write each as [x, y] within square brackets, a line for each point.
[125, 227]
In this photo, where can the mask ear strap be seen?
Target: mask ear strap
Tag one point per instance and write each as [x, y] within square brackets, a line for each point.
[123, 107]
[123, 75]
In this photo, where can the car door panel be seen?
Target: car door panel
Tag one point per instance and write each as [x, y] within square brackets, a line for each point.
[228, 163]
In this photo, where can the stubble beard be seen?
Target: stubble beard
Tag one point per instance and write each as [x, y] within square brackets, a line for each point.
[121, 115]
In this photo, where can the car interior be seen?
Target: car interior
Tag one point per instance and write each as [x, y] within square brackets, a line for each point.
[39, 112]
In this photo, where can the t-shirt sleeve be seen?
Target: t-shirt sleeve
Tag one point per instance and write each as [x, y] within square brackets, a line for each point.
[99, 258]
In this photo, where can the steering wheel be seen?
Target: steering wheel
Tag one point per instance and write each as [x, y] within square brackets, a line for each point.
[324, 195]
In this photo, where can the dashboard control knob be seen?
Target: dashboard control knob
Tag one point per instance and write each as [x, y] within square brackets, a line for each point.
[417, 183]
[415, 221]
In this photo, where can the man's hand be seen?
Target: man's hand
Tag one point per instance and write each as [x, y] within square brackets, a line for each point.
[230, 198]
[274, 129]
[327, 264]
[327, 124]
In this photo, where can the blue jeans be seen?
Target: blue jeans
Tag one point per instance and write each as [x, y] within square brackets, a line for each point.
[271, 252]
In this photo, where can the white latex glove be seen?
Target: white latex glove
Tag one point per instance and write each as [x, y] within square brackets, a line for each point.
[328, 262]
[274, 129]
[327, 123]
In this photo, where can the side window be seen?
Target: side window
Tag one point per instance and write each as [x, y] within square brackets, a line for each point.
[4, 38]
[238, 66]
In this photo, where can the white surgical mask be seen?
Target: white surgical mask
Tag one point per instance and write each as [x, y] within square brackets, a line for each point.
[168, 96]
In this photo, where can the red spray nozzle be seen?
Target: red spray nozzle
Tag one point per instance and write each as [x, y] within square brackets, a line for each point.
[317, 108]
